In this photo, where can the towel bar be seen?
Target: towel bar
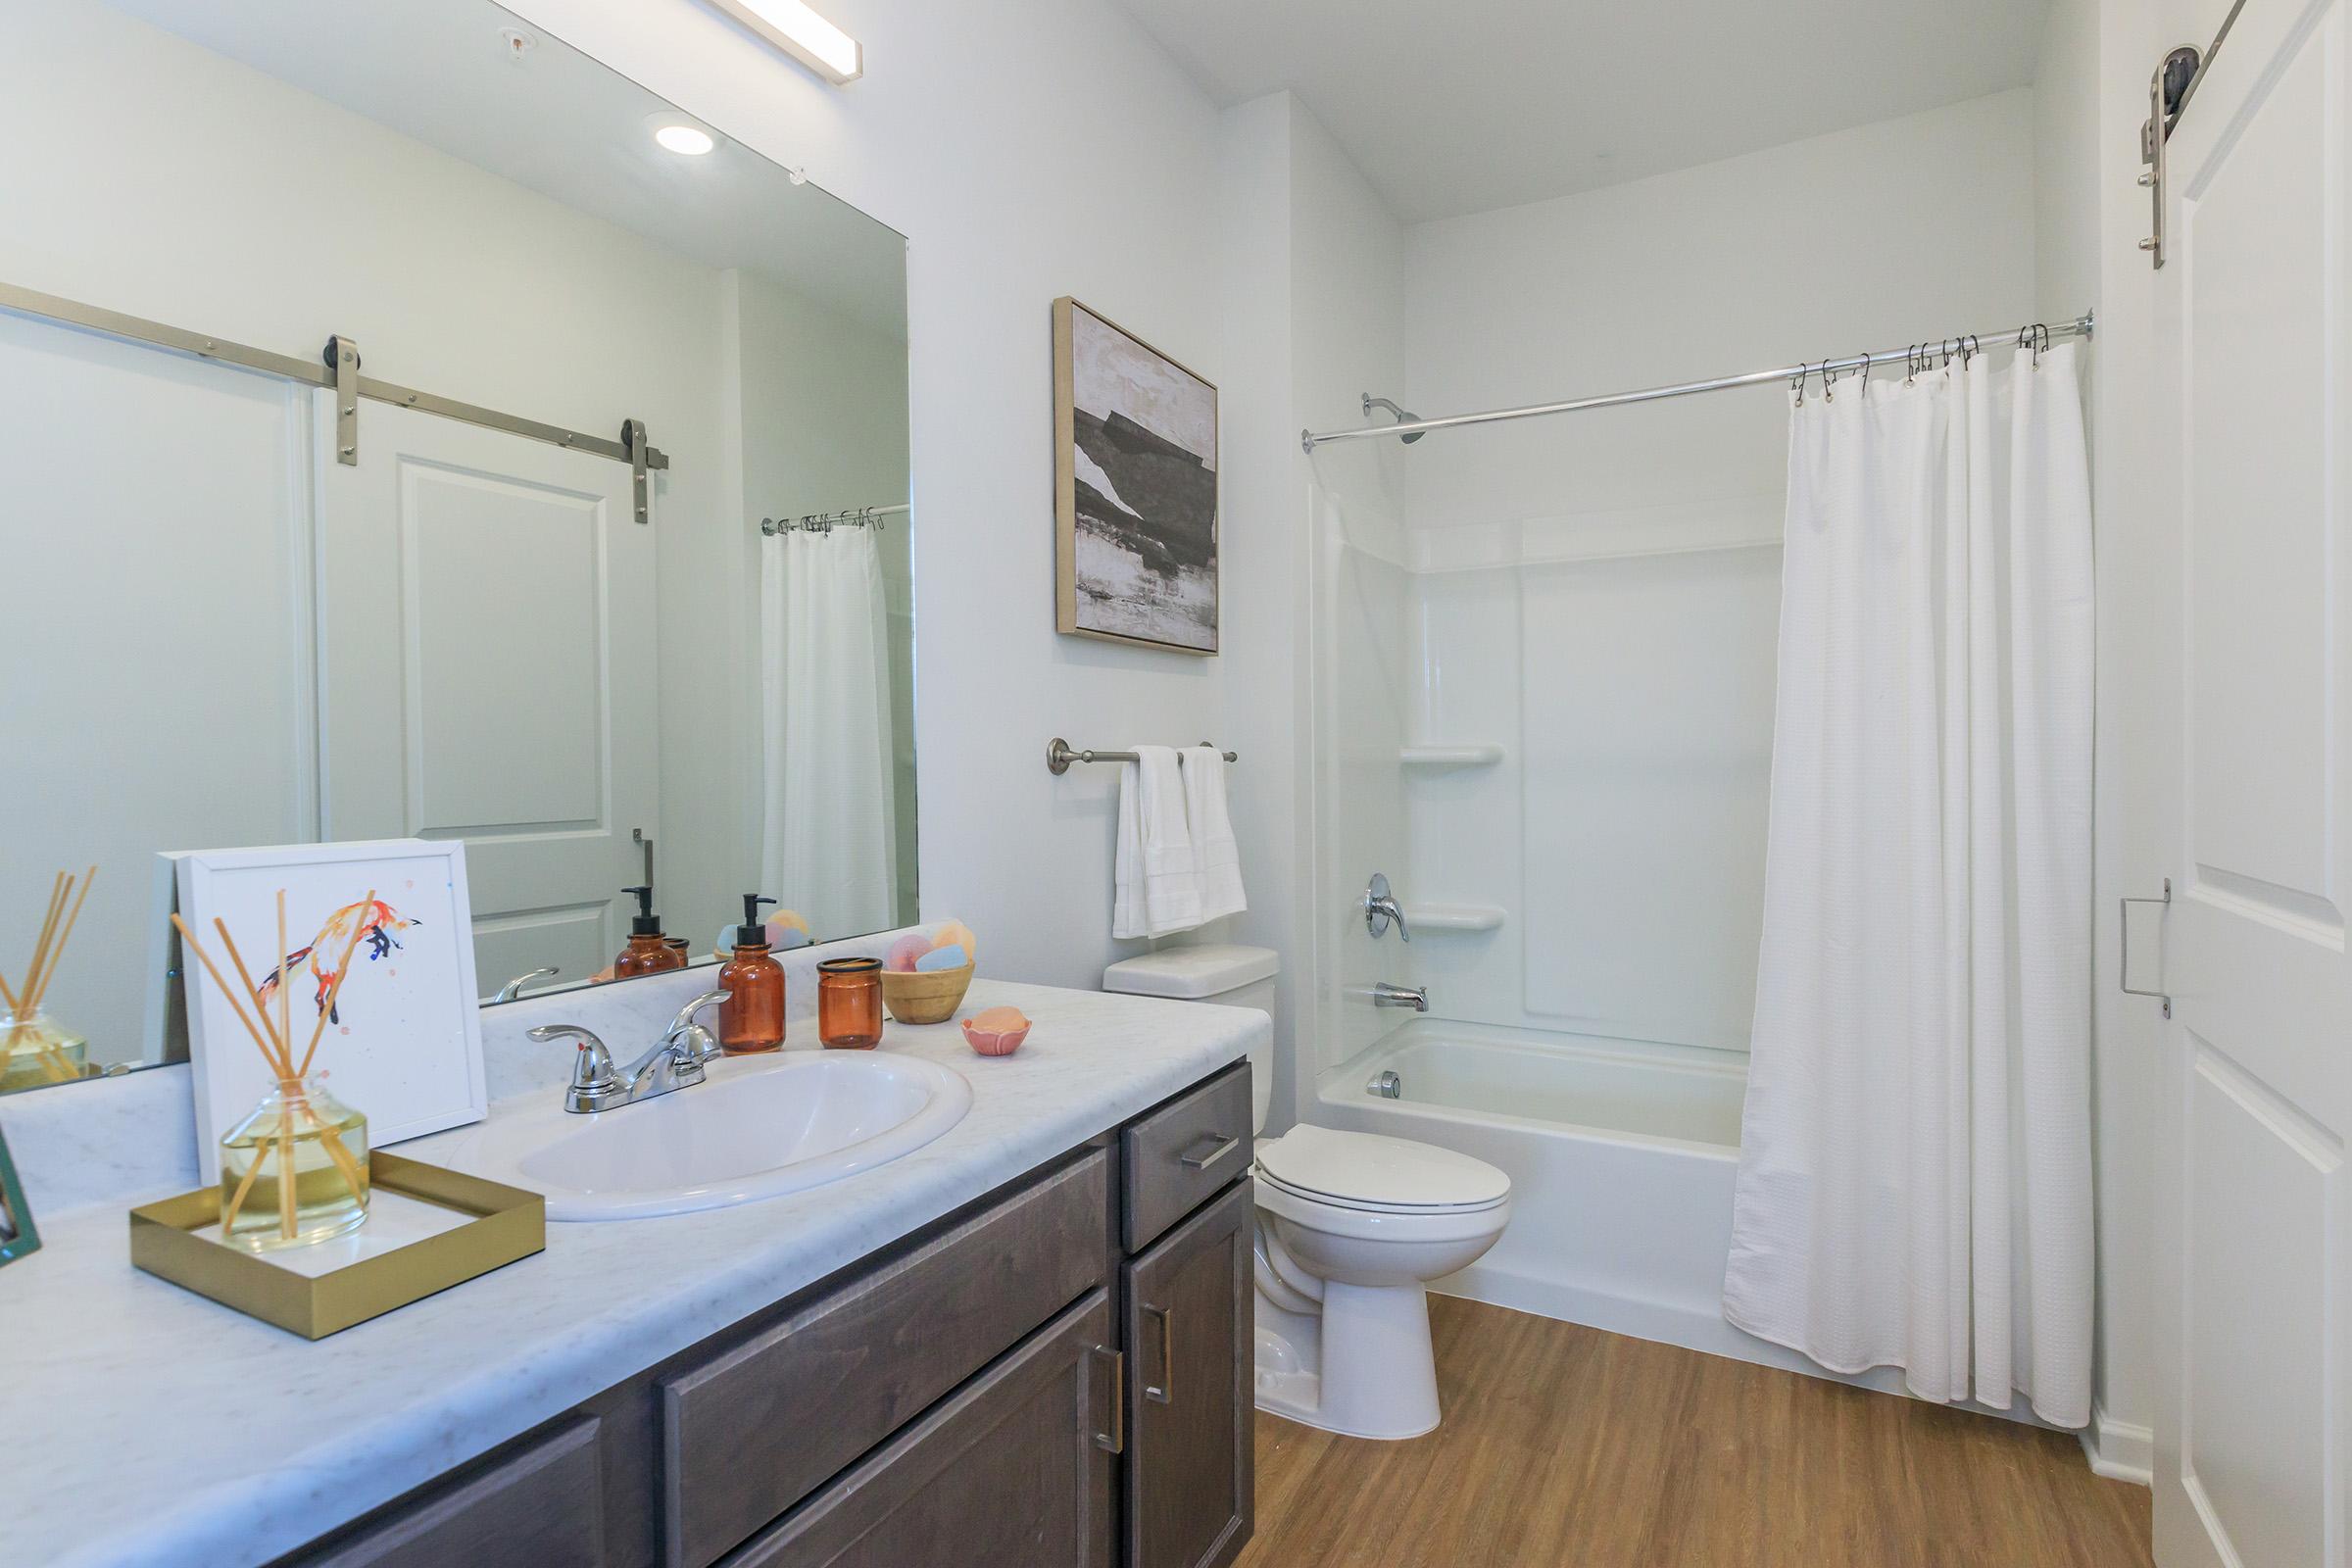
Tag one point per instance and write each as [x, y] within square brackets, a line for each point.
[1059, 754]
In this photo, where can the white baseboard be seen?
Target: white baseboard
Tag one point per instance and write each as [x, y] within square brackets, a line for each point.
[2120, 1451]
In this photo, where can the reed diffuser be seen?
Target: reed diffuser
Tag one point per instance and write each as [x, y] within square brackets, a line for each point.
[51, 1053]
[295, 1169]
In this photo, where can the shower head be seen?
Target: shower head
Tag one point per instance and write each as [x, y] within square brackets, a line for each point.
[1402, 418]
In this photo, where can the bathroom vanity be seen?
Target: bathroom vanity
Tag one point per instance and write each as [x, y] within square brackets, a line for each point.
[1058, 1373]
[1027, 1342]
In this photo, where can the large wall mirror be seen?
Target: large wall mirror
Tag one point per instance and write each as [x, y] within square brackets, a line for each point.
[236, 616]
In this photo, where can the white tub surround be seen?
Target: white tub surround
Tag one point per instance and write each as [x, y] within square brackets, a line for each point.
[136, 1380]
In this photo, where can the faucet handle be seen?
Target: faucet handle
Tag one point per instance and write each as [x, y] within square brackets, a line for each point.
[683, 1030]
[685, 1018]
[511, 991]
[592, 1069]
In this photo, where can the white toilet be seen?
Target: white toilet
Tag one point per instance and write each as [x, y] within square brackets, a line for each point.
[1351, 1227]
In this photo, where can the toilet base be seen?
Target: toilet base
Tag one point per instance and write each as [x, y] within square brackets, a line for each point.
[1361, 1367]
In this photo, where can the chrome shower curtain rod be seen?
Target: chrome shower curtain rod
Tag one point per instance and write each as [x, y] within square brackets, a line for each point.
[2080, 326]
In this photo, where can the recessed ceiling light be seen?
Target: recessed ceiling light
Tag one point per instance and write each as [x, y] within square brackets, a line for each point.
[688, 141]
[802, 33]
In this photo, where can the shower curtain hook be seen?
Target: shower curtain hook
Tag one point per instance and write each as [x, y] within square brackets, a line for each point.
[1797, 384]
[1864, 372]
[1911, 364]
[1828, 384]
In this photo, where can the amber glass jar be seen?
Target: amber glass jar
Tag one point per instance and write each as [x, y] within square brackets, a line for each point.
[848, 1003]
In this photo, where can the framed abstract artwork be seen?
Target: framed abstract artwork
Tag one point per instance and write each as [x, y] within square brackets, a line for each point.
[400, 1038]
[1135, 489]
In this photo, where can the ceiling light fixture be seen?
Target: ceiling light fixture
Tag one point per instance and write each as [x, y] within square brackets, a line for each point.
[802, 34]
[687, 141]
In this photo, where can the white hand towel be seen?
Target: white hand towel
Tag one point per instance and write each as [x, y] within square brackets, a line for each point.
[1155, 874]
[1219, 859]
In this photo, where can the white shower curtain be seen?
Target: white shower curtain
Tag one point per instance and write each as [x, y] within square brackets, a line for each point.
[1914, 1183]
[829, 840]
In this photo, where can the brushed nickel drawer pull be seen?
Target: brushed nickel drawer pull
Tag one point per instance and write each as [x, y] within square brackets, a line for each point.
[1115, 1442]
[1165, 1393]
[1225, 1145]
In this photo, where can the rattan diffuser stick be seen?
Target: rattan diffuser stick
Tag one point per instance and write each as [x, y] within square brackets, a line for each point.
[48, 952]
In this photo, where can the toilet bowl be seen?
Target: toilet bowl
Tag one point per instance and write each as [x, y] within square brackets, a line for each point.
[1352, 1227]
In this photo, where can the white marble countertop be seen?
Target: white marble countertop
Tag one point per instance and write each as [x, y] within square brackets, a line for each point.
[151, 1426]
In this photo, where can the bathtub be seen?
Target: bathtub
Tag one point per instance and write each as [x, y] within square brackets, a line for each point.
[1620, 1156]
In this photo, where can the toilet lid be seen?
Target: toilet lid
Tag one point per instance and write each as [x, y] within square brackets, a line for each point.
[1367, 1169]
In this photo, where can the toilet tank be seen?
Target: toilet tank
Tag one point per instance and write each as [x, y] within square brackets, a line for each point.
[1225, 974]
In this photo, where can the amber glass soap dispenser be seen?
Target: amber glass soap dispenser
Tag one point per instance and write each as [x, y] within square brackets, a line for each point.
[649, 952]
[752, 1018]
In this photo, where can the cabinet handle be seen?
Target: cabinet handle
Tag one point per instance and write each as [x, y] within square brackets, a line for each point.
[1164, 1392]
[1115, 1442]
[1225, 1145]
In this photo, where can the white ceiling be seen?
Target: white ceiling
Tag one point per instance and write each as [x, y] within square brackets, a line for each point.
[557, 123]
[1463, 106]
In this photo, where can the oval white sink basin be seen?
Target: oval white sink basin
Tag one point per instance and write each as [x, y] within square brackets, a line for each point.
[757, 1128]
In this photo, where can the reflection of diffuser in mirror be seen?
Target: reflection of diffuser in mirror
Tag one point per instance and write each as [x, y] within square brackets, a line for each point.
[295, 1169]
[34, 1048]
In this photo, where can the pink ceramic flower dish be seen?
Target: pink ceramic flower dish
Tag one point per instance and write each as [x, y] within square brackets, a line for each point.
[996, 1031]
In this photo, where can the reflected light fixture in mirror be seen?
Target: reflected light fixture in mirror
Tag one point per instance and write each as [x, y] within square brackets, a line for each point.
[687, 141]
[802, 33]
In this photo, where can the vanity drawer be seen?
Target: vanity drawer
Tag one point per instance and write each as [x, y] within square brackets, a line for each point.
[1178, 1155]
[756, 1428]
[1014, 1471]
[542, 1503]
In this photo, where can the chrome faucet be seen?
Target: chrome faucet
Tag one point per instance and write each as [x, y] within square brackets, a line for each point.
[1385, 995]
[1381, 907]
[514, 988]
[677, 1060]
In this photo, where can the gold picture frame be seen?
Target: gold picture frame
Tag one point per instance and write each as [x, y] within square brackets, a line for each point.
[1136, 491]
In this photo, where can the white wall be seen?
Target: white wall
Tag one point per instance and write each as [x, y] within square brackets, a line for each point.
[1314, 286]
[2090, 94]
[1599, 594]
[1028, 148]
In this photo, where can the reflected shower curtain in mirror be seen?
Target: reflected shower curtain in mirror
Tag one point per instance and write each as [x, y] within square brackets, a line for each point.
[1915, 1178]
[829, 845]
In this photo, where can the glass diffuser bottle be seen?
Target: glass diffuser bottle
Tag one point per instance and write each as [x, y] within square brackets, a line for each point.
[35, 1049]
[295, 1170]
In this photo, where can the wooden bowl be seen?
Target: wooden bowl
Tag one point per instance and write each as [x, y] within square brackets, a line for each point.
[925, 997]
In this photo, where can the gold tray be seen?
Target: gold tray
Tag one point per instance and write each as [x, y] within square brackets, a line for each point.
[508, 1224]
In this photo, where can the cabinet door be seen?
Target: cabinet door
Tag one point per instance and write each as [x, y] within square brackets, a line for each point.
[1191, 1352]
[1014, 1468]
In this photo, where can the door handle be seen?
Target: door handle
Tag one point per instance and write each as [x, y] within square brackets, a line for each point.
[1224, 1146]
[2123, 936]
[1114, 1441]
[1164, 1392]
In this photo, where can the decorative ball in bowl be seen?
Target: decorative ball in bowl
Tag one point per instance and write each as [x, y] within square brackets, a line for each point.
[929, 996]
[996, 1031]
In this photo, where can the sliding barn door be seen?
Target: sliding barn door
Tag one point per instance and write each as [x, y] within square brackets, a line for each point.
[486, 614]
[2254, 1221]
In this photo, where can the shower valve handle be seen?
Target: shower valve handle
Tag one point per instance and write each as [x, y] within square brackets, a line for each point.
[1381, 907]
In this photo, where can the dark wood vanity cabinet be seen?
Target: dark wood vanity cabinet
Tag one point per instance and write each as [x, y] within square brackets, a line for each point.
[1057, 1374]
[1190, 1458]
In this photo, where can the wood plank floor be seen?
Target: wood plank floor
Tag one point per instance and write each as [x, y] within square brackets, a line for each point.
[1562, 1444]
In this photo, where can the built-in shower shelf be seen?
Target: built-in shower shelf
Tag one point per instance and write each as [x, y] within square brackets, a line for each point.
[1443, 756]
[1454, 917]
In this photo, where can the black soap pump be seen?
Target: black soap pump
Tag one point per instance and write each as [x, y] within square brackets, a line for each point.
[648, 952]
